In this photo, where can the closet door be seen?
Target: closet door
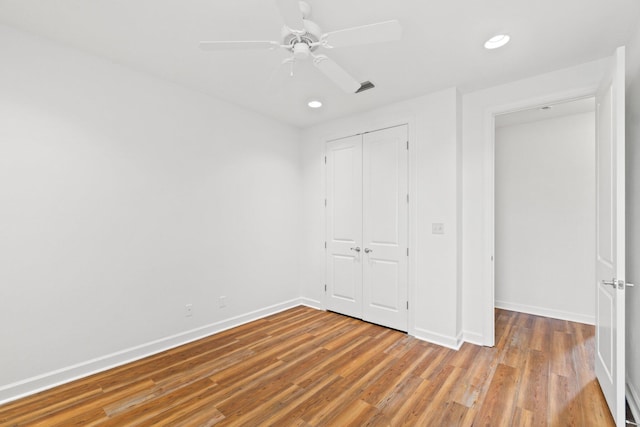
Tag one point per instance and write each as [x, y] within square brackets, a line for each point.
[344, 226]
[385, 227]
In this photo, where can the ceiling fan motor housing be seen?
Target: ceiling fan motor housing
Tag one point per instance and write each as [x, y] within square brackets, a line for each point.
[309, 37]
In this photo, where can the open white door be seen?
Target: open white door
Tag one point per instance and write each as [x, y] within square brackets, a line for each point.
[610, 243]
[344, 226]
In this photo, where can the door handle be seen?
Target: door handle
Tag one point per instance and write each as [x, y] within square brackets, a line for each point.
[357, 249]
[617, 284]
[367, 250]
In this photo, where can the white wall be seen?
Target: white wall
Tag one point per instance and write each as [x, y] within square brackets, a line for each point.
[434, 180]
[477, 185]
[545, 217]
[123, 198]
[633, 222]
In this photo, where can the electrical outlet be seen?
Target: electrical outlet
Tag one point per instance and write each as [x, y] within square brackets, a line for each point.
[437, 228]
[188, 310]
[222, 302]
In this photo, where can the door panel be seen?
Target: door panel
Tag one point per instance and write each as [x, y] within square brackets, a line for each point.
[344, 226]
[384, 284]
[606, 312]
[605, 179]
[610, 244]
[347, 212]
[382, 188]
[345, 278]
[385, 222]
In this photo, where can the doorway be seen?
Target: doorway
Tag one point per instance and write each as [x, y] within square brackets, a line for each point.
[545, 210]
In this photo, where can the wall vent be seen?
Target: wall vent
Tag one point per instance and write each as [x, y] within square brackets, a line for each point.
[365, 86]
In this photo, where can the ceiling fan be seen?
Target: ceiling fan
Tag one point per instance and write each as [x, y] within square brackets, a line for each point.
[303, 37]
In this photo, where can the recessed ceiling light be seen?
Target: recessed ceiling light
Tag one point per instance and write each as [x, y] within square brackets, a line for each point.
[314, 103]
[497, 41]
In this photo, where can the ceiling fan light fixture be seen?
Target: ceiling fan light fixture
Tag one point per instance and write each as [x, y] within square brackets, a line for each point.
[497, 41]
[301, 50]
[314, 103]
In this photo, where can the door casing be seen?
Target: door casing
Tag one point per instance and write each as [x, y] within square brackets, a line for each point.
[488, 263]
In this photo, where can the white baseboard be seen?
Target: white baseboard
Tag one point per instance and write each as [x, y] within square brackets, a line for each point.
[311, 303]
[473, 337]
[435, 338]
[547, 312]
[67, 374]
[633, 398]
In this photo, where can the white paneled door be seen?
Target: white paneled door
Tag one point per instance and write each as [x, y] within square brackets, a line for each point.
[610, 246]
[344, 226]
[367, 226]
[385, 216]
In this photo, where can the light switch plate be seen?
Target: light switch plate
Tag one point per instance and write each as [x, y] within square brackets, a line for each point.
[437, 228]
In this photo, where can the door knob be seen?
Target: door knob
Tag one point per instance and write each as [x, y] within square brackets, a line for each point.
[357, 249]
[367, 250]
[613, 283]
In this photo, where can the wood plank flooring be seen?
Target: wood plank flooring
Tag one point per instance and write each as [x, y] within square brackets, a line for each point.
[305, 367]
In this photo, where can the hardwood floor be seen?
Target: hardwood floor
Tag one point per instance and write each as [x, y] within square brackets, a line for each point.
[305, 367]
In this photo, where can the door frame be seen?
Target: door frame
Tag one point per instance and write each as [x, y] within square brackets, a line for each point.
[489, 142]
[371, 126]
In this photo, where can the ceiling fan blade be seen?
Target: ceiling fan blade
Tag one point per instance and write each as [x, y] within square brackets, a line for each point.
[336, 74]
[291, 13]
[238, 45]
[366, 34]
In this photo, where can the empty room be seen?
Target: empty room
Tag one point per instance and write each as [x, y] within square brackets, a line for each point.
[283, 212]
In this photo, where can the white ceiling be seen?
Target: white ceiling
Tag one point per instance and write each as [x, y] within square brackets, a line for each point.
[441, 46]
